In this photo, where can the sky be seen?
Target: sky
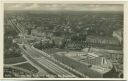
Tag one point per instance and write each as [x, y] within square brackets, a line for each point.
[59, 7]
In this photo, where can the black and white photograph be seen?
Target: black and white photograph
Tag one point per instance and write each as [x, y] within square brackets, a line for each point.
[62, 40]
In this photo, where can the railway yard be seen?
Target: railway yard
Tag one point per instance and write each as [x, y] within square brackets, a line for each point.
[43, 53]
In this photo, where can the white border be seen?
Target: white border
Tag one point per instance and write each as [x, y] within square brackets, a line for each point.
[126, 40]
[1, 40]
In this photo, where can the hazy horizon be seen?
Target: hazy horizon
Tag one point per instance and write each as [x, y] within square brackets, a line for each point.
[62, 7]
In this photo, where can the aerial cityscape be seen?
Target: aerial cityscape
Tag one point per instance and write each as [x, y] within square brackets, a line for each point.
[63, 41]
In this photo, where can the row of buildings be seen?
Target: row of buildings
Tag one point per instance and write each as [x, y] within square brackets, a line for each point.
[96, 41]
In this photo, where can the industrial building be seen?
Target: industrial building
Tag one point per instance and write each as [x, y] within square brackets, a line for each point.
[89, 64]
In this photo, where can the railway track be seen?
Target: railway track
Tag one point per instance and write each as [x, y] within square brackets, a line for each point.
[55, 68]
[42, 59]
[48, 64]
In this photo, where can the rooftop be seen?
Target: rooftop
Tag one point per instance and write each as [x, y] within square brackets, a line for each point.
[98, 63]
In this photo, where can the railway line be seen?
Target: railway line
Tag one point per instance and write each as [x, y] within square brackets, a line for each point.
[48, 64]
[55, 68]
[42, 59]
